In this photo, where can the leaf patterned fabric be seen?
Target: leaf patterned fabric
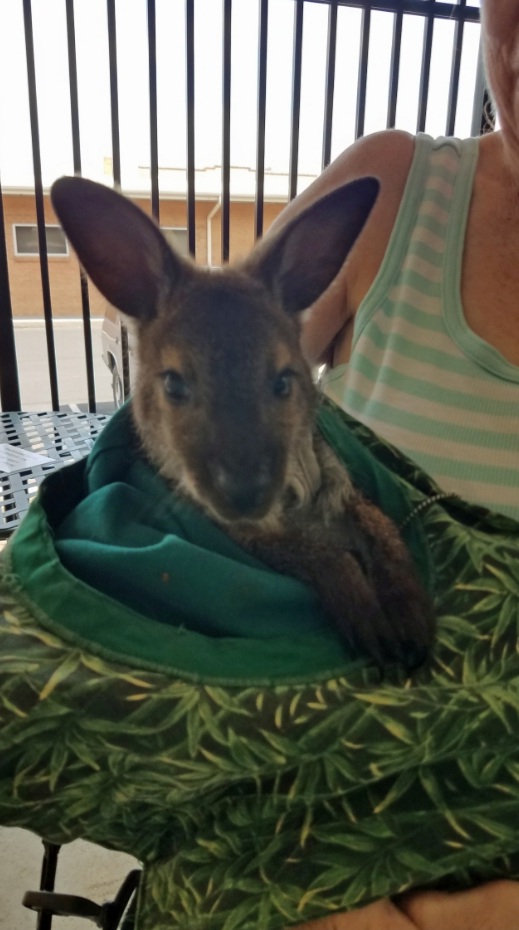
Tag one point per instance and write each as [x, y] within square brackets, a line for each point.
[256, 805]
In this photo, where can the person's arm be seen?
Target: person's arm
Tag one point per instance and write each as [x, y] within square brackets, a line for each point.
[386, 155]
[493, 906]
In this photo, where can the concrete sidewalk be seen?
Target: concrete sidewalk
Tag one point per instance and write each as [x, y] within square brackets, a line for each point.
[83, 869]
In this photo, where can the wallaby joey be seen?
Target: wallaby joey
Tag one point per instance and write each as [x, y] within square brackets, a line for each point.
[224, 402]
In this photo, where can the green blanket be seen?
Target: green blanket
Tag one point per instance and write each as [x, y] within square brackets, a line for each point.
[163, 693]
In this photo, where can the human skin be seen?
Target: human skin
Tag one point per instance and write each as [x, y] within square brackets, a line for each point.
[492, 906]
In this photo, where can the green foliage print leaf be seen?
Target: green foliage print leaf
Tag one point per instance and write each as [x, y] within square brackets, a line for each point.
[397, 790]
[507, 578]
[397, 729]
[242, 915]
[507, 620]
[434, 789]
[62, 672]
[492, 603]
[58, 761]
[494, 828]
[223, 699]
[221, 763]
[12, 708]
[417, 864]
[498, 708]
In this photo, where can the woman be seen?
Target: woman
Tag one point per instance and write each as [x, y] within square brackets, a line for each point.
[428, 297]
[420, 335]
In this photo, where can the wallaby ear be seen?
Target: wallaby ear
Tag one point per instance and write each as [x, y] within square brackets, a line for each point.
[302, 259]
[120, 248]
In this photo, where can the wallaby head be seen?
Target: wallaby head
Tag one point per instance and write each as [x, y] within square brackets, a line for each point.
[224, 400]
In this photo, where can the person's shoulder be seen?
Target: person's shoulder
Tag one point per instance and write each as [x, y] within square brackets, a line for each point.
[387, 155]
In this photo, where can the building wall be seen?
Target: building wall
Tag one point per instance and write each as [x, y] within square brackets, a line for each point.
[241, 225]
[25, 272]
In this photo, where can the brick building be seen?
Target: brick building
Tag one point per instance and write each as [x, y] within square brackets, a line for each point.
[22, 240]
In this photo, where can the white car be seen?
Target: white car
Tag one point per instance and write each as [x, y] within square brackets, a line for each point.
[112, 337]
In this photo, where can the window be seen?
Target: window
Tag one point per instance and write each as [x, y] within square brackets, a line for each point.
[177, 238]
[26, 240]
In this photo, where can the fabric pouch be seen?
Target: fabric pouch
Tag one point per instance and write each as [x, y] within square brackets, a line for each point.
[163, 693]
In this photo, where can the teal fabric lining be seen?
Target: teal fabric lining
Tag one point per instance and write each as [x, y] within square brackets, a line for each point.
[108, 535]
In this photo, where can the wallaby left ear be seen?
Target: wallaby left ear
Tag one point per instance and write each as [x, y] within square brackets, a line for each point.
[120, 248]
[300, 261]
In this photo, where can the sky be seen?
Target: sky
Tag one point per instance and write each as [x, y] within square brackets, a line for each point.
[49, 24]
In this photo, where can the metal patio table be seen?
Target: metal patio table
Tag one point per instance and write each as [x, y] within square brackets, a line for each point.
[60, 437]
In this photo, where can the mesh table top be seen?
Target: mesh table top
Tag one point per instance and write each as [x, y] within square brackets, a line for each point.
[63, 437]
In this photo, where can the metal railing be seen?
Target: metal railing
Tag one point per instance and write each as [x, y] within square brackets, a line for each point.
[430, 12]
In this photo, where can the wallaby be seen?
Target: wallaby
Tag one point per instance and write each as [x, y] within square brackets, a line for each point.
[224, 402]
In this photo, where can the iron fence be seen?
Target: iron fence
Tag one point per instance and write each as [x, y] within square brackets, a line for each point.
[429, 12]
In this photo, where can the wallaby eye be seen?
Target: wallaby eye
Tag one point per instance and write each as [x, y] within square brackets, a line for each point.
[283, 382]
[176, 388]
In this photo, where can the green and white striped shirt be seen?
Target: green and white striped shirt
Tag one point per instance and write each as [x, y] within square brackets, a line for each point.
[418, 376]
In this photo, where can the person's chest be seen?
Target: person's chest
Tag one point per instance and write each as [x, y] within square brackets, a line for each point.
[490, 270]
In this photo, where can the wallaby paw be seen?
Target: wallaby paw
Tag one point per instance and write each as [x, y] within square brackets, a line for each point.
[410, 614]
[407, 644]
[392, 625]
[405, 629]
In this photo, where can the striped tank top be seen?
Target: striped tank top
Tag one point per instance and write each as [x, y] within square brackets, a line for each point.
[418, 375]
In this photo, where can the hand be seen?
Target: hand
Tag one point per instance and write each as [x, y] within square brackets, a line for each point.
[382, 915]
[494, 906]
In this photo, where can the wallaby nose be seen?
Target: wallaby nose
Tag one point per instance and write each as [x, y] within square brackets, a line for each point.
[244, 494]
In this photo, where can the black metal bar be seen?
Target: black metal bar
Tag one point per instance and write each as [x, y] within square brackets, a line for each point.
[363, 71]
[440, 10]
[226, 129]
[125, 360]
[116, 162]
[40, 205]
[114, 91]
[76, 153]
[296, 98]
[47, 881]
[396, 49]
[455, 73]
[9, 384]
[426, 67]
[72, 76]
[262, 101]
[330, 83]
[154, 144]
[190, 128]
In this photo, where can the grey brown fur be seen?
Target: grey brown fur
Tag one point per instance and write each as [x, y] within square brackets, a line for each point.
[224, 403]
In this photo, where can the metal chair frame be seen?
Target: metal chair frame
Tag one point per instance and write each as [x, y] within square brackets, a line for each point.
[48, 903]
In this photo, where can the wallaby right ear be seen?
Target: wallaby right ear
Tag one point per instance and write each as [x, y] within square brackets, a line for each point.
[120, 248]
[301, 260]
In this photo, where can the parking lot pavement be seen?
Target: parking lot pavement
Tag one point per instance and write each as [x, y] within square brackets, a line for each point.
[33, 369]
